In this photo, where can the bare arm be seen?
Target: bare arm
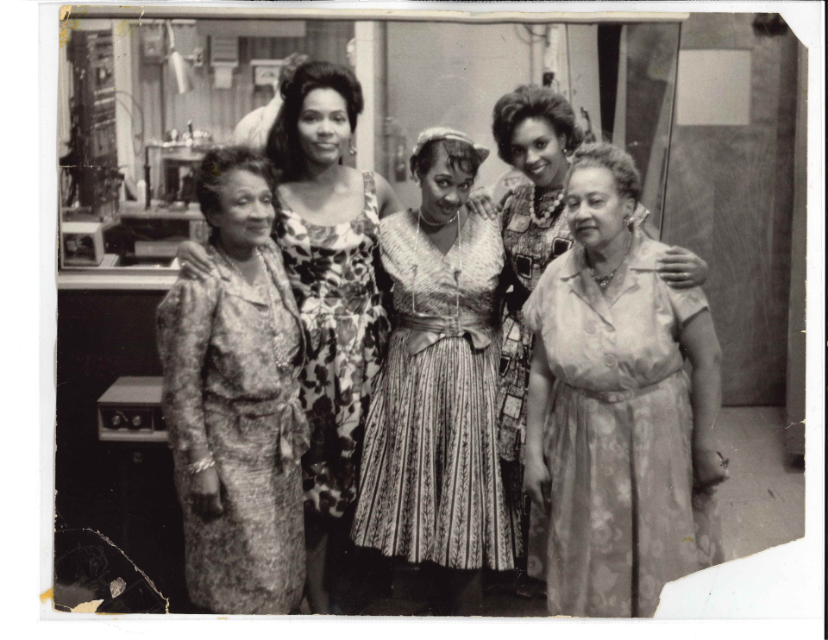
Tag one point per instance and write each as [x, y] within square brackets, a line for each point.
[698, 339]
[536, 478]
[680, 268]
[481, 203]
[386, 197]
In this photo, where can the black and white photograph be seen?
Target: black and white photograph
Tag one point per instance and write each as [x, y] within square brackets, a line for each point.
[430, 312]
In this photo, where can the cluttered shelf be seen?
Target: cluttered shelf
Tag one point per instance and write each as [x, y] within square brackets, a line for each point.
[135, 249]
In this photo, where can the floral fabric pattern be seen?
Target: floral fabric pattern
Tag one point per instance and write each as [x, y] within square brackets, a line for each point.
[224, 389]
[331, 270]
[531, 243]
[618, 439]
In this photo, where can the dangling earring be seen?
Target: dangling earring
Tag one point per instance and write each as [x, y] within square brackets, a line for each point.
[352, 148]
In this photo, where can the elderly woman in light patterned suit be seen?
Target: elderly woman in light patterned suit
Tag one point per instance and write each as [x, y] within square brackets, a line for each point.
[232, 348]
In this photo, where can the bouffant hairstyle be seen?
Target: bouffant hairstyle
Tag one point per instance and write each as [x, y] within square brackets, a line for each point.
[283, 146]
[608, 156]
[532, 101]
[218, 163]
[459, 155]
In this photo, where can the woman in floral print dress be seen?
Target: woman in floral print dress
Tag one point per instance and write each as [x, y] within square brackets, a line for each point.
[619, 437]
[327, 229]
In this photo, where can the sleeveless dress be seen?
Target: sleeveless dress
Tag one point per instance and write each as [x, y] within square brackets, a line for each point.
[331, 270]
[430, 488]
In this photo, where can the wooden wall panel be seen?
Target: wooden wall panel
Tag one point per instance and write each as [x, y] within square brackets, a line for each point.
[730, 199]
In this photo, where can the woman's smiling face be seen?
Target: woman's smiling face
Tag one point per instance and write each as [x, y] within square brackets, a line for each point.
[247, 210]
[323, 126]
[537, 151]
[594, 208]
[444, 189]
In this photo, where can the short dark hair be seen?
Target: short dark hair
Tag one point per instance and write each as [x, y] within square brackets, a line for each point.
[532, 101]
[283, 146]
[459, 155]
[608, 156]
[220, 162]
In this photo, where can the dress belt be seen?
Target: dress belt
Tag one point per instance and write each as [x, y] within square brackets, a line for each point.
[426, 330]
[612, 397]
[287, 414]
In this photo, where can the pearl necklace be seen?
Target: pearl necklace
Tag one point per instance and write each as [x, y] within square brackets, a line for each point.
[281, 353]
[603, 281]
[436, 225]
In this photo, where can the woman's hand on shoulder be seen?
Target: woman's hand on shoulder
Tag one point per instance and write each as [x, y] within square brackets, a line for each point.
[682, 269]
[194, 262]
[387, 200]
[481, 203]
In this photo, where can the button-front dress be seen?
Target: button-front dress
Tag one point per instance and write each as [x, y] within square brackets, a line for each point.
[617, 442]
[231, 354]
[430, 486]
[535, 232]
[331, 271]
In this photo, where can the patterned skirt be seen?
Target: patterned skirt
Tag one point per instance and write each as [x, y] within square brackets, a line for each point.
[622, 520]
[251, 560]
[431, 488]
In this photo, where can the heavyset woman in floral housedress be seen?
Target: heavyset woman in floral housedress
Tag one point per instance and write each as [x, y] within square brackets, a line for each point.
[535, 130]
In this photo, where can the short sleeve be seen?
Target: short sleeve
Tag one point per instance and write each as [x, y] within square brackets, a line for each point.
[686, 303]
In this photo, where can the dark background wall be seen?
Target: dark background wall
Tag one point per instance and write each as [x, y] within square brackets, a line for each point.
[122, 491]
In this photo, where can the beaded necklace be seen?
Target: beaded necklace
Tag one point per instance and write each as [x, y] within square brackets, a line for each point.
[547, 211]
[603, 281]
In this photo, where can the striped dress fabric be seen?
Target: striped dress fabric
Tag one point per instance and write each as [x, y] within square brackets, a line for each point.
[430, 485]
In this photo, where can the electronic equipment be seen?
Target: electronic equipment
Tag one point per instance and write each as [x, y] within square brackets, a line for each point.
[81, 244]
[94, 140]
[130, 411]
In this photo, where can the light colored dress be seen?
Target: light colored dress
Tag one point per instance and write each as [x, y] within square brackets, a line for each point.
[227, 388]
[535, 232]
[331, 271]
[618, 439]
[430, 487]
